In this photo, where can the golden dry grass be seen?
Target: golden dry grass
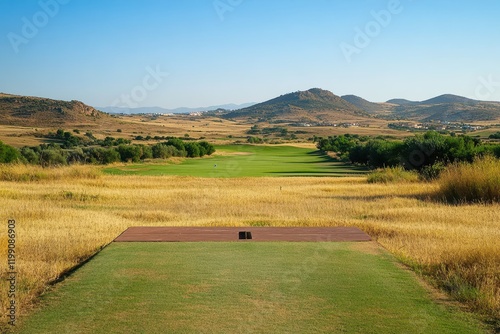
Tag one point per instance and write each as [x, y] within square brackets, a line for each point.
[477, 182]
[62, 220]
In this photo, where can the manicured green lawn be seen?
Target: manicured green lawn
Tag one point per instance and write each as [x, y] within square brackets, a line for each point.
[243, 288]
[247, 161]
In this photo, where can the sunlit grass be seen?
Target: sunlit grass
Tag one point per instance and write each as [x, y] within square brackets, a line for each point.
[477, 182]
[66, 216]
[392, 175]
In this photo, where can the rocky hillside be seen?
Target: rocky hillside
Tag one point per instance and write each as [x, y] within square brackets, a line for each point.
[311, 105]
[41, 112]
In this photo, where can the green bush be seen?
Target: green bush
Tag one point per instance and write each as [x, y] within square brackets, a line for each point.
[429, 173]
[9, 154]
[130, 153]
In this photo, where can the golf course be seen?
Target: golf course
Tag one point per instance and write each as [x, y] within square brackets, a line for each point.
[249, 161]
[86, 283]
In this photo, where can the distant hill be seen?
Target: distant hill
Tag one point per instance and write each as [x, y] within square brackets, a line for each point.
[451, 112]
[402, 102]
[448, 98]
[365, 105]
[446, 108]
[311, 105]
[159, 110]
[40, 112]
[442, 99]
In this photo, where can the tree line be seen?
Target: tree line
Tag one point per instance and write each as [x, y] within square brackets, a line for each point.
[71, 149]
[427, 153]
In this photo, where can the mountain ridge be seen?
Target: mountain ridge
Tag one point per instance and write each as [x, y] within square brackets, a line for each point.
[314, 104]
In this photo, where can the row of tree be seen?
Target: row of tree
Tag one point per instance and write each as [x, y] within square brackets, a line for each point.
[68, 140]
[426, 153]
[54, 154]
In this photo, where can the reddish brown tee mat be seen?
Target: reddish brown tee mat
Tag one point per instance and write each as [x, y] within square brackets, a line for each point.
[212, 234]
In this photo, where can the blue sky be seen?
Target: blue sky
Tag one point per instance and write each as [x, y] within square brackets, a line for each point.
[174, 53]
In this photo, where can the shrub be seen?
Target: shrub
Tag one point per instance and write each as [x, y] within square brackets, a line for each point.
[146, 152]
[130, 153]
[254, 140]
[429, 173]
[495, 136]
[8, 154]
[193, 150]
[52, 157]
[478, 182]
[30, 155]
[392, 175]
[208, 148]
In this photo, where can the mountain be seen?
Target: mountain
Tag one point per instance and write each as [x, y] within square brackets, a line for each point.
[365, 105]
[39, 112]
[159, 110]
[311, 105]
[449, 98]
[450, 112]
[446, 108]
[402, 102]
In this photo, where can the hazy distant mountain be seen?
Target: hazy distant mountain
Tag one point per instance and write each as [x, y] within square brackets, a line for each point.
[38, 112]
[449, 98]
[365, 105]
[159, 110]
[311, 105]
[446, 98]
[401, 102]
[450, 112]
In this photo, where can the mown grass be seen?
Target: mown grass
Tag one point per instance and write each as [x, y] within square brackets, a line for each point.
[247, 161]
[477, 182]
[62, 220]
[241, 288]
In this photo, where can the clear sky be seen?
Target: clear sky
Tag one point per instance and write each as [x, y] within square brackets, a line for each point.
[192, 53]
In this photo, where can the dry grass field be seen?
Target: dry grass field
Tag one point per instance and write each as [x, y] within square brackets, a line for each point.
[65, 215]
[217, 130]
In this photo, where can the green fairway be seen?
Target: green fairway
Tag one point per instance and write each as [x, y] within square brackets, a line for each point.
[247, 161]
[243, 287]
